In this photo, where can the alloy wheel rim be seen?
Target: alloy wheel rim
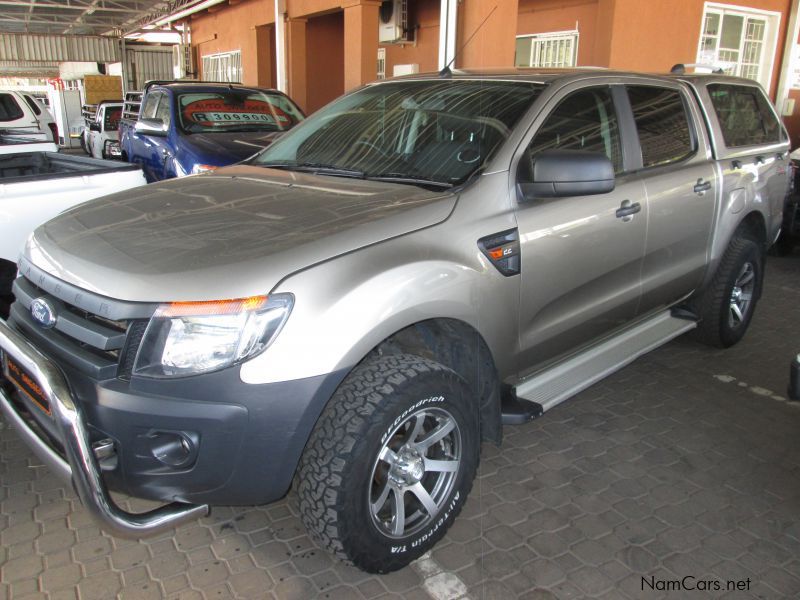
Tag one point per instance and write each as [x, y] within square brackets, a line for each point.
[741, 296]
[414, 472]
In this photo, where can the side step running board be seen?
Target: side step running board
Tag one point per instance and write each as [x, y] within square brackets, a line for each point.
[566, 379]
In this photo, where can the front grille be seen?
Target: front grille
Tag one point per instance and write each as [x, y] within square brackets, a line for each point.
[92, 332]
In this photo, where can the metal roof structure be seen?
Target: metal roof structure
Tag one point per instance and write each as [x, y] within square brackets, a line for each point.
[79, 17]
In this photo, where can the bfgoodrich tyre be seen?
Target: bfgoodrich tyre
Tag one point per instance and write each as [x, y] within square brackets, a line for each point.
[726, 307]
[390, 462]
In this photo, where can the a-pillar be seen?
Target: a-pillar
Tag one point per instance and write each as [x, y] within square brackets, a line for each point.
[361, 18]
[296, 67]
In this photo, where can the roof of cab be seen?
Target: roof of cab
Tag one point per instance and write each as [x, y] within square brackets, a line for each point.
[185, 86]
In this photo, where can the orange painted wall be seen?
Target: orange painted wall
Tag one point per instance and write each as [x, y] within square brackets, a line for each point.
[234, 28]
[325, 63]
[653, 36]
[489, 25]
[424, 16]
[304, 8]
[543, 16]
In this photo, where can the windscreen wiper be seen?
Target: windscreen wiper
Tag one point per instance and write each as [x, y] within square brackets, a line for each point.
[409, 179]
[316, 168]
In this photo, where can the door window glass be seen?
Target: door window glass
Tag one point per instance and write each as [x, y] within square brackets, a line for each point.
[662, 123]
[163, 110]
[9, 109]
[744, 115]
[150, 105]
[32, 103]
[585, 121]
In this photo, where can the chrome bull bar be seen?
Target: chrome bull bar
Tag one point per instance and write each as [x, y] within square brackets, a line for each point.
[80, 468]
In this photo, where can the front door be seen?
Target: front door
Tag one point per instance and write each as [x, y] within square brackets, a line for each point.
[580, 256]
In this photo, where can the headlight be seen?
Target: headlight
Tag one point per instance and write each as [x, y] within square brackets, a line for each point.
[197, 169]
[188, 338]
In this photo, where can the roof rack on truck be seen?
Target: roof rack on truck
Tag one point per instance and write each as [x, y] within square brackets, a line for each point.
[680, 68]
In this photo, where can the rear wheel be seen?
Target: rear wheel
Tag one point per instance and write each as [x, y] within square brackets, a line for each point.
[390, 462]
[726, 307]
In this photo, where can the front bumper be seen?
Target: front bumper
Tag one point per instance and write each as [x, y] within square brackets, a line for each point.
[245, 440]
[81, 466]
[111, 149]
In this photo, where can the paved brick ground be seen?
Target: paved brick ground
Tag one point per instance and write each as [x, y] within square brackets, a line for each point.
[686, 463]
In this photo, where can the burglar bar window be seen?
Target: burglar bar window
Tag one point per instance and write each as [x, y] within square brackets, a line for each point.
[381, 63]
[225, 66]
[547, 50]
[740, 41]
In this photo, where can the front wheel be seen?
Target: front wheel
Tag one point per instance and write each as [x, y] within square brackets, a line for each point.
[727, 305]
[390, 462]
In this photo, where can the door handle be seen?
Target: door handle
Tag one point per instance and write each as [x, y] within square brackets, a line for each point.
[627, 209]
[701, 187]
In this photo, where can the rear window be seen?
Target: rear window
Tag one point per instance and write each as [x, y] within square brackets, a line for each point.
[662, 123]
[745, 115]
[9, 109]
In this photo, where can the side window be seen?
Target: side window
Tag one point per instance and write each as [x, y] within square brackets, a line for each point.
[744, 115]
[163, 111]
[32, 103]
[584, 120]
[9, 109]
[150, 105]
[662, 123]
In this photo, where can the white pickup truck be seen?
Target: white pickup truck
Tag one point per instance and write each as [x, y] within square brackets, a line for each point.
[37, 183]
[100, 136]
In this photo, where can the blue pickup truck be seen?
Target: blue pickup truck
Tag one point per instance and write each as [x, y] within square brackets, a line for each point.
[179, 128]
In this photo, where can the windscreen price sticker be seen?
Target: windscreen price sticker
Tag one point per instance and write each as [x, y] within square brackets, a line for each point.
[213, 111]
[233, 117]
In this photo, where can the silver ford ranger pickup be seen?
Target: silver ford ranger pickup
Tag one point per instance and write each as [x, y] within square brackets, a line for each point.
[361, 305]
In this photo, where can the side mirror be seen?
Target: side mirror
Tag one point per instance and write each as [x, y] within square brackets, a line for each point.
[560, 173]
[150, 127]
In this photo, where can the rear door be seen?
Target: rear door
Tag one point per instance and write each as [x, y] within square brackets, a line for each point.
[681, 186]
[580, 256]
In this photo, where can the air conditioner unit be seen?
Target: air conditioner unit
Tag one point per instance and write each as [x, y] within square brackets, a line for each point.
[182, 61]
[393, 26]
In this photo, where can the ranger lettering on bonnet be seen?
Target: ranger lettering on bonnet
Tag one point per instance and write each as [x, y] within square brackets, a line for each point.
[355, 309]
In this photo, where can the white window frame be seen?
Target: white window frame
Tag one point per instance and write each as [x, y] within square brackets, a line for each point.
[214, 68]
[571, 36]
[381, 63]
[770, 40]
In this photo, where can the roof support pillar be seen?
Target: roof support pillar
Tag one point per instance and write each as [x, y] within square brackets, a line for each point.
[360, 42]
[296, 61]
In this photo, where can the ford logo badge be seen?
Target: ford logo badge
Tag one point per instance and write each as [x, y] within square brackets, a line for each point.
[43, 313]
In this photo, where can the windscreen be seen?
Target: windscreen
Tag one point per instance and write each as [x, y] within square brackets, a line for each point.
[236, 110]
[111, 118]
[441, 130]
